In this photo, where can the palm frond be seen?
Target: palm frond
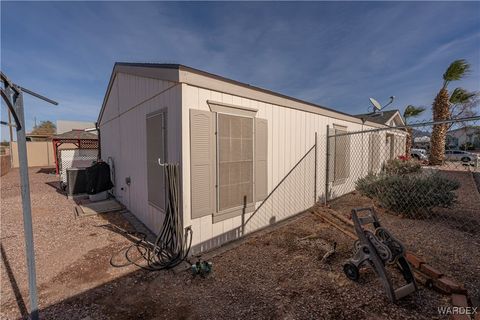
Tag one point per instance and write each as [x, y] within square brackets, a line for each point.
[460, 96]
[455, 71]
[412, 111]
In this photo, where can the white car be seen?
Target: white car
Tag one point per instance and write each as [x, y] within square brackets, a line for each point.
[418, 154]
[459, 155]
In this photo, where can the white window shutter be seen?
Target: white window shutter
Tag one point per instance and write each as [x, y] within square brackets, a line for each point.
[202, 161]
[331, 154]
[261, 159]
[342, 155]
[374, 146]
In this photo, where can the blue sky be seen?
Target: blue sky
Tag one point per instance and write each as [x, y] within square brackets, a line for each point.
[335, 54]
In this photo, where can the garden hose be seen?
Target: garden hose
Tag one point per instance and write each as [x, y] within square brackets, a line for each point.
[172, 245]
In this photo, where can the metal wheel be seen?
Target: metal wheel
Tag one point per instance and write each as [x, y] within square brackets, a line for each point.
[382, 249]
[393, 244]
[466, 159]
[351, 271]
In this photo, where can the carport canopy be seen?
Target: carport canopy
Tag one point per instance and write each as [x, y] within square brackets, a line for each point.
[80, 138]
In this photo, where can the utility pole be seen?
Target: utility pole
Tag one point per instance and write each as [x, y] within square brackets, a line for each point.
[12, 94]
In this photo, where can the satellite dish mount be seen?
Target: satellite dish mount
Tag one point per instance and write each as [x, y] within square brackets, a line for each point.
[377, 107]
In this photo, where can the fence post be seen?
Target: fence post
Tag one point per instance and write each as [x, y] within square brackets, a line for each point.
[315, 169]
[27, 208]
[327, 162]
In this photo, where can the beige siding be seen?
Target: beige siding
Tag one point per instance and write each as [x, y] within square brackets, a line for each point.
[291, 133]
[123, 137]
[111, 106]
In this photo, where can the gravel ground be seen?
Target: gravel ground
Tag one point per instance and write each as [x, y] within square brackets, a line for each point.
[476, 177]
[276, 275]
[270, 276]
[61, 242]
[449, 240]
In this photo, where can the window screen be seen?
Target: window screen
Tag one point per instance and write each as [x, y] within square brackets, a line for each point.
[235, 161]
[155, 151]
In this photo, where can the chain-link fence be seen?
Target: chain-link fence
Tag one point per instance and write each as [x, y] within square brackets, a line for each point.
[294, 194]
[433, 209]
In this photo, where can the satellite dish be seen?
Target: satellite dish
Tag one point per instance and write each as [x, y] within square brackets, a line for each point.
[376, 104]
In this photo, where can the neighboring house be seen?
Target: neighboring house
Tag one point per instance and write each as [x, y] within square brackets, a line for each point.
[230, 139]
[67, 125]
[391, 118]
[469, 134]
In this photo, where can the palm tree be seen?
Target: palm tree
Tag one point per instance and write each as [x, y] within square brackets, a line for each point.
[462, 103]
[410, 112]
[441, 110]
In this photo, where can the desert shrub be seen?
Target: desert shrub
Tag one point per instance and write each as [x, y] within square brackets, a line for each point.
[412, 195]
[368, 185]
[401, 167]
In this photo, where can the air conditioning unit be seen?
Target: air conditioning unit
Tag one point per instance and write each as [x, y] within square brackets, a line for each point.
[76, 181]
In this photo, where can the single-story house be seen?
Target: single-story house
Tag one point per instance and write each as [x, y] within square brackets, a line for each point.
[232, 140]
[69, 125]
[387, 117]
[422, 142]
[457, 138]
[391, 118]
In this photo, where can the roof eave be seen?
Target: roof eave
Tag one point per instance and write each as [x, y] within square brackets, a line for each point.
[195, 77]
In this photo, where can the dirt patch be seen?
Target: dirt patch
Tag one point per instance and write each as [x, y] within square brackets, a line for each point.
[476, 177]
[277, 275]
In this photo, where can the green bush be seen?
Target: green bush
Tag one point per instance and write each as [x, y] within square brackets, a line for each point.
[412, 195]
[401, 167]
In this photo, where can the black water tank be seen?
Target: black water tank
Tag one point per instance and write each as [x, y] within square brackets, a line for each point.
[76, 181]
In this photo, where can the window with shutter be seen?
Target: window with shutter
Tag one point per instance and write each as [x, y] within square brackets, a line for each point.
[228, 161]
[156, 150]
[261, 159]
[339, 154]
[235, 161]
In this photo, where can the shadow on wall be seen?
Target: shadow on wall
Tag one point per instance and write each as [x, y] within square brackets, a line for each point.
[217, 241]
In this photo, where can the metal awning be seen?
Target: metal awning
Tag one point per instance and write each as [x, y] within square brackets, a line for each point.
[80, 138]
